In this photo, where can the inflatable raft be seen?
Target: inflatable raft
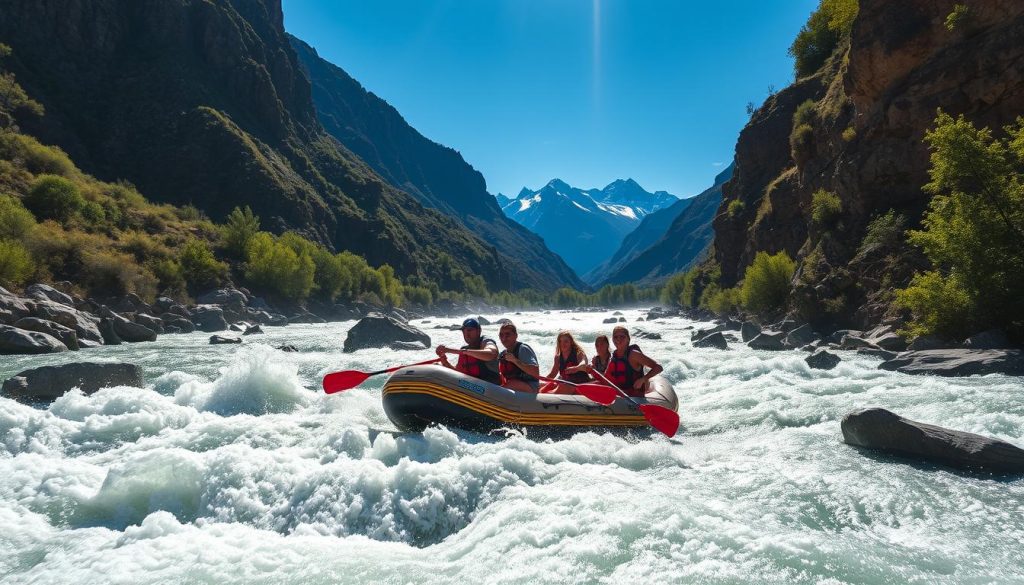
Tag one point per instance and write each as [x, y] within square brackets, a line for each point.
[419, 396]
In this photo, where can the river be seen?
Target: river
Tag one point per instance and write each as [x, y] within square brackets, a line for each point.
[231, 467]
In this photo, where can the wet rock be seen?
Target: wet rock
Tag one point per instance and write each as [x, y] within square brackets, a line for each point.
[714, 340]
[702, 333]
[854, 342]
[787, 325]
[749, 330]
[639, 319]
[822, 359]
[150, 322]
[6, 317]
[17, 306]
[277, 320]
[239, 327]
[768, 340]
[378, 330]
[47, 292]
[407, 345]
[171, 329]
[886, 338]
[14, 341]
[287, 348]
[730, 324]
[622, 320]
[617, 313]
[224, 296]
[171, 320]
[110, 336]
[163, 304]
[86, 326]
[483, 321]
[180, 310]
[51, 382]
[253, 330]
[209, 318]
[129, 331]
[305, 318]
[131, 303]
[66, 335]
[647, 335]
[958, 362]
[222, 340]
[802, 335]
[991, 339]
[885, 355]
[610, 320]
[877, 428]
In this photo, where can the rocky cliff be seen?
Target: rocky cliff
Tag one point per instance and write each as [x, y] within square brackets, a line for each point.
[436, 175]
[873, 102]
[204, 102]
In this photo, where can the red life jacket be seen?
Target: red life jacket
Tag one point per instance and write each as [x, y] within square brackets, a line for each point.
[510, 371]
[622, 374]
[481, 369]
[574, 360]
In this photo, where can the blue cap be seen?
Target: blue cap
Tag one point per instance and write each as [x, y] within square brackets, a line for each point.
[470, 324]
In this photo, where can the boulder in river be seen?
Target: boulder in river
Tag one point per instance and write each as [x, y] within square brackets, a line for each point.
[877, 428]
[171, 320]
[110, 336]
[885, 337]
[801, 336]
[229, 297]
[924, 342]
[714, 340]
[66, 335]
[882, 354]
[50, 382]
[150, 322]
[221, 340]
[209, 318]
[130, 331]
[86, 326]
[17, 306]
[407, 345]
[47, 292]
[991, 339]
[253, 330]
[768, 340]
[378, 330]
[14, 341]
[822, 359]
[958, 362]
[610, 320]
[749, 330]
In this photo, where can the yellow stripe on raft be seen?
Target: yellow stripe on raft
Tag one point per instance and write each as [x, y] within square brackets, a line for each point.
[513, 417]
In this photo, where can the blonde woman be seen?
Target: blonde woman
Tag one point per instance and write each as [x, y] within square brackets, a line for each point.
[570, 364]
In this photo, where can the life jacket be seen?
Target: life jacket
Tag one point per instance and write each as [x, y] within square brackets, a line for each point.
[510, 371]
[597, 364]
[484, 370]
[622, 374]
[574, 360]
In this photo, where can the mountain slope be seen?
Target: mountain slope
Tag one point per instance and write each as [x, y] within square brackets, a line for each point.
[436, 175]
[682, 245]
[584, 227]
[204, 103]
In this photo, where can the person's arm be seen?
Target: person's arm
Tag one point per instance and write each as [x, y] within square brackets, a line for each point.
[582, 365]
[554, 369]
[487, 353]
[442, 352]
[529, 365]
[638, 359]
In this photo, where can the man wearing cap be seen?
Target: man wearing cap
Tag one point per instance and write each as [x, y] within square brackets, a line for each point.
[478, 358]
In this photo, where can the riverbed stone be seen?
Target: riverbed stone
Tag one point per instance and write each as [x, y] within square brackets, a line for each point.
[958, 362]
[885, 337]
[749, 330]
[150, 322]
[17, 306]
[876, 352]
[822, 359]
[407, 346]
[209, 318]
[47, 292]
[610, 320]
[171, 320]
[223, 296]
[253, 330]
[223, 340]
[379, 330]
[991, 339]
[800, 336]
[66, 335]
[129, 331]
[51, 382]
[14, 341]
[110, 336]
[769, 340]
[714, 340]
[877, 428]
[86, 326]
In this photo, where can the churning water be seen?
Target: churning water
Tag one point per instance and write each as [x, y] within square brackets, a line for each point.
[230, 467]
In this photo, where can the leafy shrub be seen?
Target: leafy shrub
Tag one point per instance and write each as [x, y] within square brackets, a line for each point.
[735, 207]
[15, 220]
[801, 143]
[722, 301]
[93, 213]
[820, 36]
[53, 197]
[885, 231]
[190, 213]
[826, 208]
[273, 266]
[804, 113]
[36, 157]
[420, 295]
[241, 226]
[108, 273]
[169, 275]
[849, 134]
[199, 267]
[972, 233]
[957, 17]
[15, 263]
[766, 282]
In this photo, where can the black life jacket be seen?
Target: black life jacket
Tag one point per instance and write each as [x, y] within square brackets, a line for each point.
[622, 374]
[575, 377]
[510, 371]
[484, 370]
[597, 364]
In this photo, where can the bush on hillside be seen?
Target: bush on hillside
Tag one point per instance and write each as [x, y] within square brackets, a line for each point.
[274, 266]
[53, 197]
[15, 220]
[200, 269]
[885, 231]
[766, 282]
[820, 36]
[241, 226]
[826, 208]
[16, 264]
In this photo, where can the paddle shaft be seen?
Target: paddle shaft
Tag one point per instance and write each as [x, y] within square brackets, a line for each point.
[396, 368]
[617, 389]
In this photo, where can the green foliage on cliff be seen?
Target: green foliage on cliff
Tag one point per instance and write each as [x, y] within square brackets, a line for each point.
[956, 17]
[15, 263]
[201, 270]
[766, 282]
[972, 232]
[826, 208]
[820, 36]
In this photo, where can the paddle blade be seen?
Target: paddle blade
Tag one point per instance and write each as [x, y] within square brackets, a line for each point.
[599, 393]
[338, 381]
[661, 418]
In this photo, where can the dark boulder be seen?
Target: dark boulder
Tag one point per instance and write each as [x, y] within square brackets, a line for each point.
[647, 335]
[221, 340]
[749, 330]
[150, 322]
[129, 331]
[801, 336]
[110, 336]
[925, 342]
[886, 338]
[253, 330]
[51, 382]
[163, 304]
[131, 303]
[714, 340]
[287, 348]
[769, 340]
[277, 320]
[377, 330]
[17, 306]
[622, 320]
[854, 342]
[182, 324]
[228, 297]
[883, 354]
[822, 359]
[991, 339]
[877, 428]
[702, 333]
[14, 341]
[47, 292]
[180, 310]
[787, 325]
[86, 326]
[610, 320]
[305, 318]
[958, 362]
[66, 335]
[407, 346]
[209, 318]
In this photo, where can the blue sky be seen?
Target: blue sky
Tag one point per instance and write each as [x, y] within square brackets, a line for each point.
[588, 91]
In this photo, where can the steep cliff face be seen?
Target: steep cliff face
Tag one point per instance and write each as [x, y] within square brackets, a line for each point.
[203, 102]
[436, 175]
[874, 101]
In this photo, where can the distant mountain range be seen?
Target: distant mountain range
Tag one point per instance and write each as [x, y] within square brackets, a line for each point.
[584, 226]
[652, 253]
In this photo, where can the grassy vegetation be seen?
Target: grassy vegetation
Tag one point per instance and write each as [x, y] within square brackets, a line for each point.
[821, 35]
[766, 282]
[736, 207]
[971, 233]
[826, 208]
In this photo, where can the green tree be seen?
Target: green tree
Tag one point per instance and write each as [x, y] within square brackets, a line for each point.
[826, 208]
[972, 232]
[15, 263]
[274, 266]
[766, 282]
[240, 227]
[819, 37]
[15, 220]
[201, 270]
[53, 197]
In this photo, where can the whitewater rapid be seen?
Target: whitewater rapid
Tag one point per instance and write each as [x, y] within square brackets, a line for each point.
[231, 467]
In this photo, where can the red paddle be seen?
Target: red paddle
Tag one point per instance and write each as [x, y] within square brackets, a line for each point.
[599, 393]
[338, 381]
[659, 417]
